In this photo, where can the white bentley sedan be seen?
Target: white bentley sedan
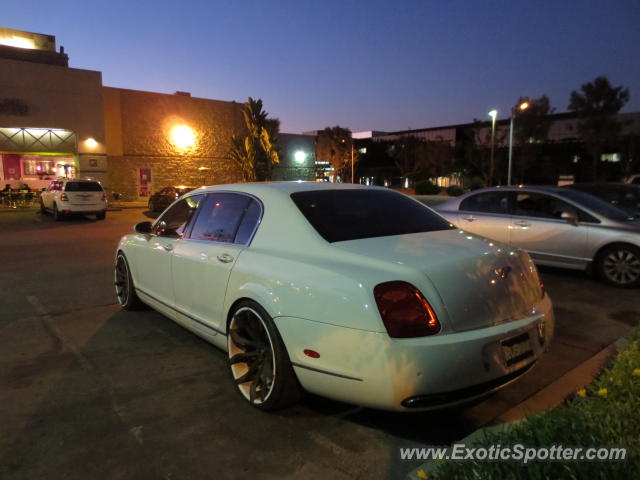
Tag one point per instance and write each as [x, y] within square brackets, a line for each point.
[359, 294]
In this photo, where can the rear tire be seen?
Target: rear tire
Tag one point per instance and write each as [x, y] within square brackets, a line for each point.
[619, 265]
[101, 215]
[43, 209]
[125, 290]
[57, 214]
[259, 364]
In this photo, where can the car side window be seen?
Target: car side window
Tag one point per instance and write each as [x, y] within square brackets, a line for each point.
[220, 217]
[542, 206]
[487, 202]
[248, 223]
[174, 221]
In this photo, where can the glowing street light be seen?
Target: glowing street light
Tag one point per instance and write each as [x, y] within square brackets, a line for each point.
[299, 157]
[493, 114]
[522, 107]
[182, 136]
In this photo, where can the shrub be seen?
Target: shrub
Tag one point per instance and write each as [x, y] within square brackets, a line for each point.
[475, 183]
[425, 187]
[604, 413]
[454, 191]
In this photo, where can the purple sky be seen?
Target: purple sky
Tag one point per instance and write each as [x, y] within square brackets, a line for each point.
[359, 64]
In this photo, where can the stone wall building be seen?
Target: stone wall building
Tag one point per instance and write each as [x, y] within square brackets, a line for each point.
[156, 140]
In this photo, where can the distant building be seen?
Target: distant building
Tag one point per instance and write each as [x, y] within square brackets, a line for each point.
[297, 157]
[563, 154]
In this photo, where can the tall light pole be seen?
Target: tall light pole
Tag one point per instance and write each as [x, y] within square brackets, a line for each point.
[493, 114]
[352, 166]
[523, 106]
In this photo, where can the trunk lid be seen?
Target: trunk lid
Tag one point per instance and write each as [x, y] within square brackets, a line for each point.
[480, 282]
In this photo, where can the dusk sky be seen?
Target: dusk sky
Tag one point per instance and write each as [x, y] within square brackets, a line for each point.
[363, 65]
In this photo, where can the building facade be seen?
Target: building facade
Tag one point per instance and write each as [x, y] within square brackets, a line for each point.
[51, 116]
[60, 121]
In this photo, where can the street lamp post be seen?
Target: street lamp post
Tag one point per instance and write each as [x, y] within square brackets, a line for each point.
[523, 106]
[493, 114]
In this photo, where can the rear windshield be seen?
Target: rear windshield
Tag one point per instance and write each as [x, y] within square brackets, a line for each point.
[340, 215]
[83, 187]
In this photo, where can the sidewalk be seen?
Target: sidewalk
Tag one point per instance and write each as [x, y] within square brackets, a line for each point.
[113, 207]
[117, 206]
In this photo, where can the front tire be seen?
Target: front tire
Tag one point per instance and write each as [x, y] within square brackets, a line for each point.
[619, 265]
[125, 290]
[258, 360]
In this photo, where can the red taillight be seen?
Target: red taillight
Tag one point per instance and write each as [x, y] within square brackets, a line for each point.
[104, 197]
[404, 310]
[64, 197]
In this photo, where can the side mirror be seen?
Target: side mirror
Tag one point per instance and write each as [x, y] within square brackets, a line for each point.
[570, 218]
[143, 227]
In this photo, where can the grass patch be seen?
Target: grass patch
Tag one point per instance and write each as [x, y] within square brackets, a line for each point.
[604, 414]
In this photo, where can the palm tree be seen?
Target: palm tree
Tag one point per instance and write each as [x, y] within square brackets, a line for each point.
[256, 153]
[596, 104]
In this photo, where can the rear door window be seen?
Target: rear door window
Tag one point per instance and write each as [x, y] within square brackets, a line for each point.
[220, 217]
[487, 202]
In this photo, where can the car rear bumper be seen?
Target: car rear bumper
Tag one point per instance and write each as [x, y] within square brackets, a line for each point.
[371, 369]
[83, 208]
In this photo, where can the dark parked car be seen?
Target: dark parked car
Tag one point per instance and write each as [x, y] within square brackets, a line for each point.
[165, 197]
[623, 195]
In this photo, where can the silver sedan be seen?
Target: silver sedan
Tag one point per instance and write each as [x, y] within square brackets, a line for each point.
[557, 226]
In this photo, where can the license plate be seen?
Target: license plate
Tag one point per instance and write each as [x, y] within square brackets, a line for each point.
[517, 349]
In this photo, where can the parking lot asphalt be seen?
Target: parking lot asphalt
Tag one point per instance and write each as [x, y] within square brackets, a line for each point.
[90, 391]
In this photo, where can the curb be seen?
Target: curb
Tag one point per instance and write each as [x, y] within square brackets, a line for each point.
[550, 396]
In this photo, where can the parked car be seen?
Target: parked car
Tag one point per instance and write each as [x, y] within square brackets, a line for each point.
[360, 294]
[165, 197]
[558, 226]
[622, 195]
[67, 196]
[634, 179]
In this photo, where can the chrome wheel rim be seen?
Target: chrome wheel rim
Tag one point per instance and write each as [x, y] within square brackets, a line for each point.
[251, 356]
[622, 266]
[122, 280]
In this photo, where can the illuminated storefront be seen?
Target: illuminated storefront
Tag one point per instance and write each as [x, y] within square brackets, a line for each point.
[35, 156]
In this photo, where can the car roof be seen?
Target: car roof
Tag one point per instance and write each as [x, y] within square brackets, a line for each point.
[65, 179]
[284, 187]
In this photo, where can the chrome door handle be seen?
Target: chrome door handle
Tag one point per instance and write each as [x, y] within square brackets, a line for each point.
[523, 223]
[225, 258]
[168, 247]
[470, 218]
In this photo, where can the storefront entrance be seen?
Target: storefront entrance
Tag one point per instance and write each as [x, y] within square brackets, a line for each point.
[34, 169]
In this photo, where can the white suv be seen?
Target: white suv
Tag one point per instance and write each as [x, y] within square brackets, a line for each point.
[67, 195]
